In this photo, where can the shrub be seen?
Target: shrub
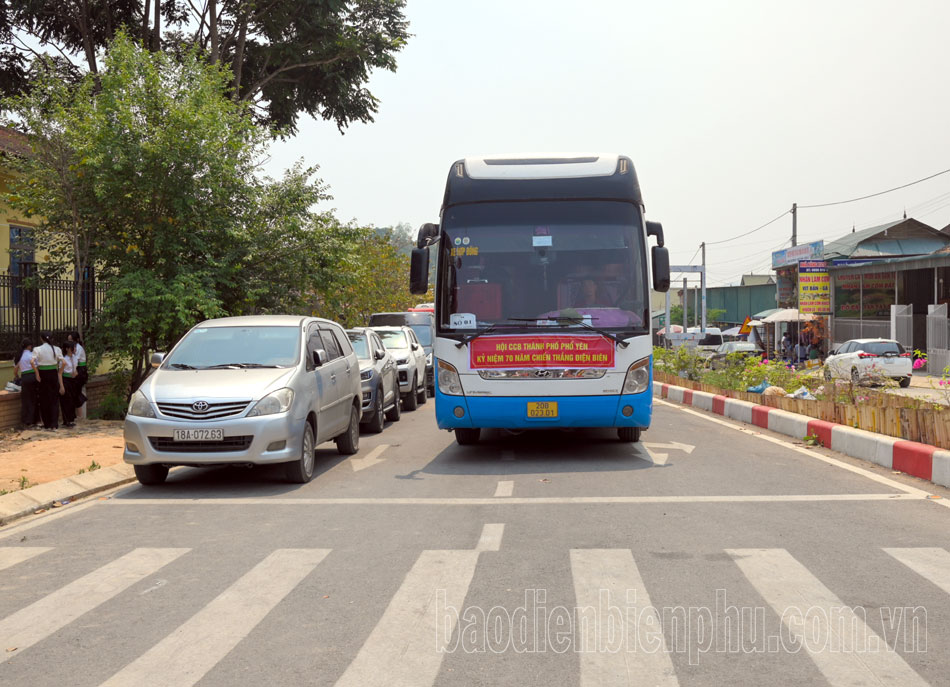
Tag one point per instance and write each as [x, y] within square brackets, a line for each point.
[114, 404]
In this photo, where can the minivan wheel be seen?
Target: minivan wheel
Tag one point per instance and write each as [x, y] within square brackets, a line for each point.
[300, 471]
[348, 443]
[411, 402]
[375, 425]
[393, 413]
[904, 382]
[466, 436]
[151, 475]
[827, 374]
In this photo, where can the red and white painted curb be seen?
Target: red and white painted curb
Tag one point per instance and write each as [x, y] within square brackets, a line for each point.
[910, 457]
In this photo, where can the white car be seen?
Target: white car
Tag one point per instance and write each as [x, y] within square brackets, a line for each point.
[410, 363]
[869, 359]
[708, 342]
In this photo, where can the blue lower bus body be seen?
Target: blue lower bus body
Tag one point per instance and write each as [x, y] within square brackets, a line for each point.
[511, 412]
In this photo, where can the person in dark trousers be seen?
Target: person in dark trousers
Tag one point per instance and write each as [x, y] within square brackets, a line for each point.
[25, 368]
[82, 374]
[49, 363]
[67, 401]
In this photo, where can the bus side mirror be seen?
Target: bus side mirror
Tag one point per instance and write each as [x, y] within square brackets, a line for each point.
[656, 229]
[419, 271]
[661, 269]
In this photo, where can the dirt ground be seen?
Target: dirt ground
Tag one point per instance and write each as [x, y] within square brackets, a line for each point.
[40, 456]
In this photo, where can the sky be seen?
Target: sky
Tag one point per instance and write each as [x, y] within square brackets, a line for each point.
[731, 111]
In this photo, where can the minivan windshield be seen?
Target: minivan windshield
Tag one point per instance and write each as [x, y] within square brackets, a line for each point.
[423, 333]
[224, 347]
[394, 339]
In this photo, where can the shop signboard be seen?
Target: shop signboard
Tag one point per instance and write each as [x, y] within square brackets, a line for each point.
[795, 254]
[814, 287]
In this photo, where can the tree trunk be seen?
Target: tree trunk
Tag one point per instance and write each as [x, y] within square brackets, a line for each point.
[145, 34]
[238, 63]
[85, 27]
[157, 32]
[213, 29]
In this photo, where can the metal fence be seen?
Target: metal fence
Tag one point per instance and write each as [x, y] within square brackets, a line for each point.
[28, 307]
[904, 325]
[938, 339]
[847, 329]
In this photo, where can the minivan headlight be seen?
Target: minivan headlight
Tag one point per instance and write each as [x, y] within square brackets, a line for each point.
[139, 406]
[366, 374]
[277, 402]
[449, 382]
[638, 377]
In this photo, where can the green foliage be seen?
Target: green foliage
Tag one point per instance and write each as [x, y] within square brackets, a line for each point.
[114, 404]
[676, 315]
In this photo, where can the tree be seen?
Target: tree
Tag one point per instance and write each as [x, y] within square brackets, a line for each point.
[161, 167]
[676, 315]
[286, 57]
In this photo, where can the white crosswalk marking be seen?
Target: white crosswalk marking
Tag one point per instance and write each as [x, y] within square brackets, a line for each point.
[606, 582]
[184, 656]
[11, 555]
[39, 620]
[406, 647]
[505, 487]
[490, 539]
[931, 563]
[843, 647]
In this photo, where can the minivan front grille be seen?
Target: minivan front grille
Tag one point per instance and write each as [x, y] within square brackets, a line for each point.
[214, 411]
[169, 445]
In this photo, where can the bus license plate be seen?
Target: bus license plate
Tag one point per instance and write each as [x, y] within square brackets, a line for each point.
[542, 409]
[202, 434]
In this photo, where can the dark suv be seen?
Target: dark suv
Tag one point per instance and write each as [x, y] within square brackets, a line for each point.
[423, 324]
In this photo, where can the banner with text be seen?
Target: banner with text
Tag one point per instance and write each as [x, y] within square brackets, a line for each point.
[814, 287]
[509, 352]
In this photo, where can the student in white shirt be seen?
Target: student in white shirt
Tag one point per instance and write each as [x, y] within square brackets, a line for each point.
[25, 369]
[82, 374]
[49, 363]
[67, 401]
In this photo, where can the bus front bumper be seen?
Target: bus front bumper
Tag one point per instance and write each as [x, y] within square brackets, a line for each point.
[511, 412]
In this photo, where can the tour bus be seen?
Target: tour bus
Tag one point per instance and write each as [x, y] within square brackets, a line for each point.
[542, 295]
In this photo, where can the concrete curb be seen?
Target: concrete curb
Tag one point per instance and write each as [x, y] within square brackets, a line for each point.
[913, 458]
[25, 502]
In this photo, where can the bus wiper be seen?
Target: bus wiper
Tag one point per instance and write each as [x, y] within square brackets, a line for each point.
[573, 320]
[474, 335]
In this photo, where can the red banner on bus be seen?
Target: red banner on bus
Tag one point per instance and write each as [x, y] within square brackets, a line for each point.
[512, 352]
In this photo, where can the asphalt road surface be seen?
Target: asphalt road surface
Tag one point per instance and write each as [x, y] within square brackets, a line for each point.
[710, 554]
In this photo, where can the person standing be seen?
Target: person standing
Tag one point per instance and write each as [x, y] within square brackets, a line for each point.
[67, 401]
[25, 368]
[786, 346]
[49, 363]
[82, 375]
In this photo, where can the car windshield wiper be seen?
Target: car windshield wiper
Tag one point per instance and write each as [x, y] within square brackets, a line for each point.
[574, 321]
[182, 366]
[237, 365]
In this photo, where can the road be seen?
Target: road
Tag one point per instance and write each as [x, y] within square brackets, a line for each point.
[711, 554]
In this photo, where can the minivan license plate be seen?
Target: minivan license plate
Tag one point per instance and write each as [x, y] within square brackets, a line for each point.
[542, 409]
[201, 434]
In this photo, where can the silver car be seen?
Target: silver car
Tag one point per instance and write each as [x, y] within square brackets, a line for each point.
[249, 391]
[378, 377]
[410, 362]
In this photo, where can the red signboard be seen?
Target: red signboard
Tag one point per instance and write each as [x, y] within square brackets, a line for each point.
[512, 352]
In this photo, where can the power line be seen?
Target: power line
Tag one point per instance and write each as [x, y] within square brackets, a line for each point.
[713, 243]
[872, 195]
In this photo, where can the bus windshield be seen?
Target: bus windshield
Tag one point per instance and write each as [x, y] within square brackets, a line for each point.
[543, 263]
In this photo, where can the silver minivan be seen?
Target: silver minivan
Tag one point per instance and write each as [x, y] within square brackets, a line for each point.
[252, 390]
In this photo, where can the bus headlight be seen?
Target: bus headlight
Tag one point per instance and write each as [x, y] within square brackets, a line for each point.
[638, 377]
[449, 382]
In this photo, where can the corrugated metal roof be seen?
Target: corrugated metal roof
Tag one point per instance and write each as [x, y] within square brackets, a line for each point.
[896, 239]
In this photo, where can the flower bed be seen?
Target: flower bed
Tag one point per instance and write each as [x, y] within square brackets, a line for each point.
[855, 406]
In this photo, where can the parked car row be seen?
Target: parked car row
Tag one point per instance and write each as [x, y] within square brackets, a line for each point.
[269, 389]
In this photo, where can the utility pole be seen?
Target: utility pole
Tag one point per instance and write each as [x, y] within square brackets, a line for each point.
[685, 302]
[702, 276]
[794, 224]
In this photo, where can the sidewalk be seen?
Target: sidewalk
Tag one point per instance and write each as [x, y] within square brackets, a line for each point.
[40, 469]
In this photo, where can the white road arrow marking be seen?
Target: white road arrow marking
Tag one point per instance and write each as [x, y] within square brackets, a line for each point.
[655, 457]
[674, 445]
[371, 459]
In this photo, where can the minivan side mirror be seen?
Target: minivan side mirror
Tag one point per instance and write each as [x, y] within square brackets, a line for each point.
[415, 347]
[319, 357]
[379, 355]
[661, 269]
[419, 271]
[157, 359]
